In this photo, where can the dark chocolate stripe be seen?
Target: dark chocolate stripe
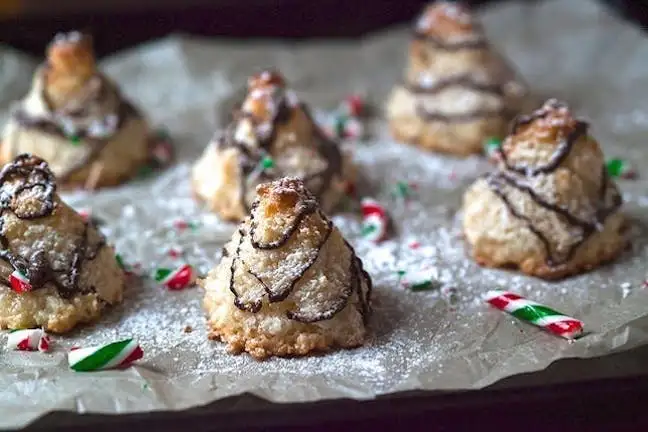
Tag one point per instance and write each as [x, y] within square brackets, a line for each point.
[248, 307]
[276, 295]
[508, 177]
[125, 112]
[37, 268]
[306, 209]
[503, 177]
[479, 43]
[495, 183]
[463, 81]
[530, 225]
[250, 158]
[458, 118]
[564, 148]
[358, 276]
[526, 119]
[339, 304]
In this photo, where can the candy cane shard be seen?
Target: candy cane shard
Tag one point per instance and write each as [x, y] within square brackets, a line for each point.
[375, 221]
[176, 279]
[28, 340]
[19, 282]
[421, 280]
[535, 313]
[115, 355]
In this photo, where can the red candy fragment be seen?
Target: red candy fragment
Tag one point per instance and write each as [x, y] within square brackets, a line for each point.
[19, 282]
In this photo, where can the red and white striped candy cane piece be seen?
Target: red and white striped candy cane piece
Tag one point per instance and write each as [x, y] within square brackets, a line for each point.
[535, 313]
[28, 340]
[375, 222]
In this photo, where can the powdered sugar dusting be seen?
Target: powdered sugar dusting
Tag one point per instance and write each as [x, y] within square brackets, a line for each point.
[410, 332]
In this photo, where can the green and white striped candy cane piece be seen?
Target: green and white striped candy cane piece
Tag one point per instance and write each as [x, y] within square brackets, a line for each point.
[110, 356]
[535, 313]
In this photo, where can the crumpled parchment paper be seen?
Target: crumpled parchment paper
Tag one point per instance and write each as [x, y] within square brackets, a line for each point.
[572, 50]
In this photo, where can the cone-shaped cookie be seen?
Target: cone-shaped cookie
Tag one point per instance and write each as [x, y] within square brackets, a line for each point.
[55, 269]
[272, 136]
[288, 282]
[77, 120]
[550, 208]
[457, 90]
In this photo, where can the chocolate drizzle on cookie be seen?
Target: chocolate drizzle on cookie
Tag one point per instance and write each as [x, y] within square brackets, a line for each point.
[306, 206]
[465, 82]
[451, 27]
[28, 189]
[279, 293]
[518, 176]
[458, 118]
[72, 100]
[49, 125]
[469, 83]
[473, 44]
[265, 133]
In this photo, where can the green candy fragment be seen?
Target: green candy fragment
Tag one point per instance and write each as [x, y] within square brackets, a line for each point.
[267, 163]
[144, 171]
[491, 145]
[162, 134]
[101, 357]
[368, 229]
[534, 313]
[402, 189]
[339, 125]
[423, 286]
[616, 167]
[161, 274]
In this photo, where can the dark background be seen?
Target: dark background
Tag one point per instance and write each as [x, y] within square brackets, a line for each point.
[609, 393]
[116, 24]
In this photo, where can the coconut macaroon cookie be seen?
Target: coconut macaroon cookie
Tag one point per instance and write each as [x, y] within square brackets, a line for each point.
[288, 283]
[457, 91]
[76, 119]
[550, 208]
[56, 270]
[272, 135]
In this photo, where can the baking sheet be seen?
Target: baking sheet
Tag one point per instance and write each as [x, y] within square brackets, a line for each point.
[573, 50]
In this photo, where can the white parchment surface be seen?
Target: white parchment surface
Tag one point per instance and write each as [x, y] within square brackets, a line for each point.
[574, 50]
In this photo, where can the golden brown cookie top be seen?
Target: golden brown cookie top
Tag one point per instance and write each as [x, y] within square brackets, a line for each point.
[265, 79]
[70, 65]
[551, 120]
[71, 53]
[281, 208]
[446, 19]
[265, 93]
[259, 104]
[285, 196]
[541, 141]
